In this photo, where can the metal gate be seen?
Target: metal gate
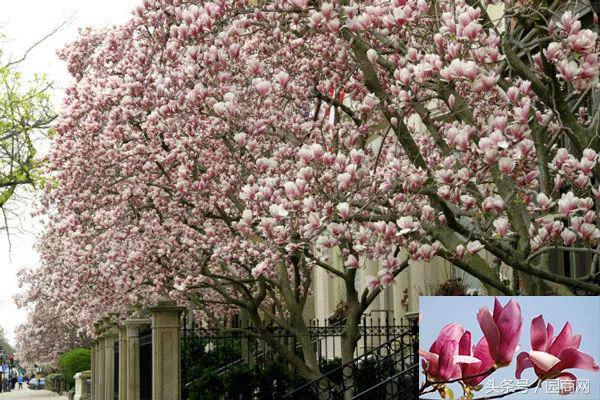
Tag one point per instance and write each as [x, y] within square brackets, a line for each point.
[116, 371]
[146, 364]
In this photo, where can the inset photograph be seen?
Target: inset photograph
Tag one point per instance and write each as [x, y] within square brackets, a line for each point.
[509, 347]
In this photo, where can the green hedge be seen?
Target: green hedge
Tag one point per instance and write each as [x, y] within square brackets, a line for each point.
[74, 361]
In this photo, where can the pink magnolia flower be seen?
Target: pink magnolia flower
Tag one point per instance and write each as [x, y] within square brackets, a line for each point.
[502, 330]
[493, 203]
[583, 41]
[343, 210]
[474, 247]
[425, 252]
[460, 251]
[550, 356]
[502, 227]
[372, 282]
[482, 353]
[372, 56]
[386, 278]
[351, 262]
[301, 3]
[567, 204]
[506, 165]
[407, 224]
[262, 87]
[283, 78]
[588, 232]
[544, 202]
[441, 362]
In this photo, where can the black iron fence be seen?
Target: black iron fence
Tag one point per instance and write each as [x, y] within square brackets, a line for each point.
[208, 354]
[116, 350]
[146, 364]
[385, 372]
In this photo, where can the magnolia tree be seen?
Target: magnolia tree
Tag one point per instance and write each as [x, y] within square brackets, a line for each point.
[451, 358]
[45, 336]
[56, 322]
[219, 152]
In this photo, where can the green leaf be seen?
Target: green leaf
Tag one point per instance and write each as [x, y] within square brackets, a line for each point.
[450, 393]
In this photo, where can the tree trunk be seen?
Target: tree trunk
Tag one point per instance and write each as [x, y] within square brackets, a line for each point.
[349, 338]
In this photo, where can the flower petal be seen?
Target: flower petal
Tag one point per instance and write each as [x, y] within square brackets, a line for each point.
[481, 352]
[510, 323]
[523, 362]
[497, 309]
[573, 358]
[452, 331]
[432, 360]
[564, 339]
[539, 334]
[490, 331]
[465, 359]
[575, 342]
[446, 368]
[464, 346]
[544, 361]
[549, 336]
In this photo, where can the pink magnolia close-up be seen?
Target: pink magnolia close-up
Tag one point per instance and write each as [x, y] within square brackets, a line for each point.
[442, 361]
[451, 358]
[551, 355]
[501, 330]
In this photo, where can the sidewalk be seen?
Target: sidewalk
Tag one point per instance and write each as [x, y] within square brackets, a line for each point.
[27, 394]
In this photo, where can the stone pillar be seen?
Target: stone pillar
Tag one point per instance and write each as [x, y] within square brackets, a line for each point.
[85, 376]
[78, 386]
[166, 374]
[101, 366]
[110, 337]
[93, 363]
[132, 329]
[123, 359]
[81, 385]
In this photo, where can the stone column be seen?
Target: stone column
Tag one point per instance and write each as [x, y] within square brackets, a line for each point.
[93, 363]
[166, 374]
[110, 337]
[101, 366]
[81, 385]
[132, 329]
[123, 359]
[85, 389]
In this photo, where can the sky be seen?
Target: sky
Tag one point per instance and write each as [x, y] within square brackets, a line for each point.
[24, 22]
[582, 312]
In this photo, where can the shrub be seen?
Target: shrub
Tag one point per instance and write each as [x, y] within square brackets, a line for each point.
[74, 361]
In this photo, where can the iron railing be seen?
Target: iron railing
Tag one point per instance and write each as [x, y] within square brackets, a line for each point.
[116, 350]
[146, 364]
[400, 386]
[223, 348]
[387, 371]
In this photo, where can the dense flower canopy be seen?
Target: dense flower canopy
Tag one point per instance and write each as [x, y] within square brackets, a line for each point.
[208, 148]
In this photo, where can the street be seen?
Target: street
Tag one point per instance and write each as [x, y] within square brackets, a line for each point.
[27, 394]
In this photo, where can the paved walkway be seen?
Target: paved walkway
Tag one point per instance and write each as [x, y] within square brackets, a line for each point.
[27, 394]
